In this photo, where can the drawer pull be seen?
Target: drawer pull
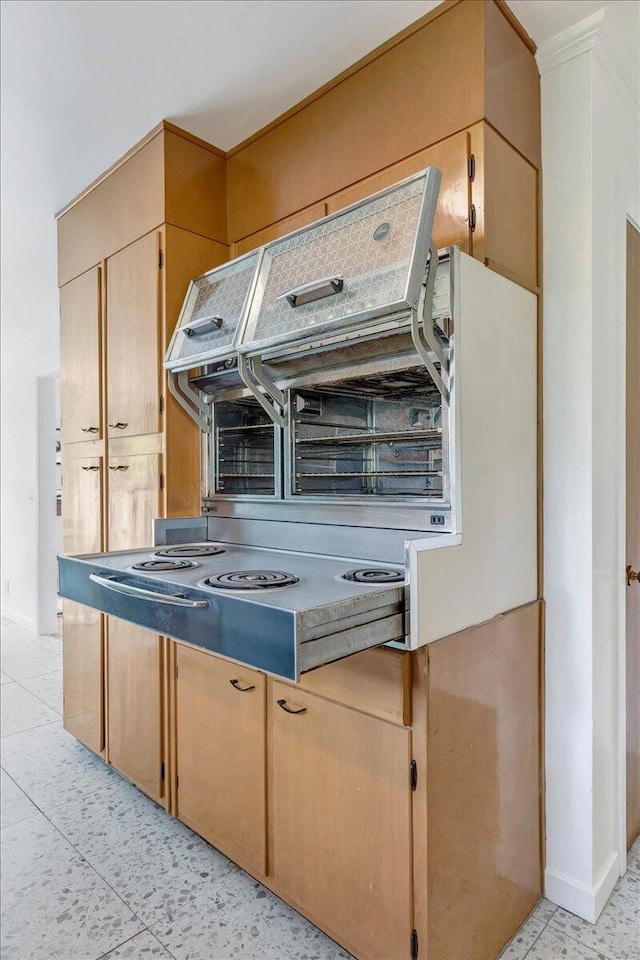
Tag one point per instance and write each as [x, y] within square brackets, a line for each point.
[283, 705]
[120, 466]
[119, 425]
[91, 468]
[236, 683]
[173, 600]
[90, 429]
[315, 290]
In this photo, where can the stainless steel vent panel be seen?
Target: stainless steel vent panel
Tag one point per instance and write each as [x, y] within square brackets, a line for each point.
[209, 322]
[355, 265]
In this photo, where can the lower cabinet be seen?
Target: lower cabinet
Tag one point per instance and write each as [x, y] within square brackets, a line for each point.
[340, 820]
[220, 726]
[135, 744]
[82, 675]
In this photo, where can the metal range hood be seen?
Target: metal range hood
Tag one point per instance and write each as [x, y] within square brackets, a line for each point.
[349, 279]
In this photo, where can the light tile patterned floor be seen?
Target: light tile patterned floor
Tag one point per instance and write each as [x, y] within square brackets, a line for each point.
[93, 869]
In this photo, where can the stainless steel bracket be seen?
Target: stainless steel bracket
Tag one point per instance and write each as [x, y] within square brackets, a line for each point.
[189, 399]
[424, 337]
[269, 396]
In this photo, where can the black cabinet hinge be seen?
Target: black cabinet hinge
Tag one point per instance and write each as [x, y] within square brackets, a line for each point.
[162, 481]
[413, 775]
[414, 945]
[472, 217]
[160, 259]
[161, 404]
[162, 771]
[471, 167]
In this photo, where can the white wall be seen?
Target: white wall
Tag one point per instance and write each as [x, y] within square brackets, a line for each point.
[24, 360]
[591, 182]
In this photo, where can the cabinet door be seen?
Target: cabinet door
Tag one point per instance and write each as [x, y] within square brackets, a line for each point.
[134, 500]
[340, 820]
[80, 380]
[220, 727]
[133, 331]
[134, 700]
[82, 646]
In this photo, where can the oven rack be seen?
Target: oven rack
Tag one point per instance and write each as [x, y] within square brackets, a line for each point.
[393, 436]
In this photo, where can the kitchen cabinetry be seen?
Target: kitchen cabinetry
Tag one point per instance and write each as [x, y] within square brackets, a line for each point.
[134, 386]
[83, 651]
[220, 729]
[133, 499]
[80, 337]
[135, 744]
[340, 790]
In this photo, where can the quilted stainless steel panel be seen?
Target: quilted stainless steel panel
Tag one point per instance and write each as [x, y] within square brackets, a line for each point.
[360, 263]
[208, 326]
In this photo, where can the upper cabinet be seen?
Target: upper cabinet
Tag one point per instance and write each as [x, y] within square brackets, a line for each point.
[80, 338]
[134, 389]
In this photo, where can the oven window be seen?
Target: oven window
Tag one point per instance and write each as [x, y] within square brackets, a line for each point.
[370, 437]
[244, 449]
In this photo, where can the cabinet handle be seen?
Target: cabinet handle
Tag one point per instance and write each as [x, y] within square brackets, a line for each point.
[315, 290]
[120, 466]
[118, 426]
[90, 429]
[91, 468]
[236, 684]
[283, 704]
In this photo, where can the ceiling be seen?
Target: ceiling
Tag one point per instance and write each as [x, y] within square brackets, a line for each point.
[82, 80]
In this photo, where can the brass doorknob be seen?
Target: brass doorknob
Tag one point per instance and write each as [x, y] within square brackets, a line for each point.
[632, 575]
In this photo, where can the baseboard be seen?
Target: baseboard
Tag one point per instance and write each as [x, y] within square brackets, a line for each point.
[18, 619]
[586, 902]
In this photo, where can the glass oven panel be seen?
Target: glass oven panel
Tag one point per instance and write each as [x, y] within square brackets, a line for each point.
[246, 450]
[378, 437]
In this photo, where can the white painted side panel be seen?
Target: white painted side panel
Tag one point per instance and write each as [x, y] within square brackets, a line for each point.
[494, 568]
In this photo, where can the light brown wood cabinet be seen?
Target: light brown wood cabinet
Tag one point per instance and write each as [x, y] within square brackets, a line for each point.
[220, 744]
[133, 500]
[83, 648]
[135, 742]
[134, 386]
[80, 339]
[340, 820]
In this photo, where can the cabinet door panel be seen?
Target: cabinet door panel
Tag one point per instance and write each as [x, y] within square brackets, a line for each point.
[133, 330]
[80, 358]
[134, 500]
[134, 673]
[221, 754]
[82, 629]
[340, 820]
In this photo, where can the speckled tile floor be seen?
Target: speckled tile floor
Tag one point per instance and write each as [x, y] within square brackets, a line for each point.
[93, 870]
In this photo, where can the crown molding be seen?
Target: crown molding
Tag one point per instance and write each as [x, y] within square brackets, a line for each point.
[570, 43]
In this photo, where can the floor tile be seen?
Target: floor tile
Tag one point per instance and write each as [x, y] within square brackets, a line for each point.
[633, 857]
[554, 944]
[52, 767]
[523, 940]
[54, 905]
[14, 803]
[20, 657]
[4, 678]
[544, 910]
[50, 641]
[155, 863]
[140, 947]
[242, 919]
[22, 711]
[617, 933]
[47, 687]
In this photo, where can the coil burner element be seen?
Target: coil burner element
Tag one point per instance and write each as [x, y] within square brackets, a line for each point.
[250, 580]
[374, 575]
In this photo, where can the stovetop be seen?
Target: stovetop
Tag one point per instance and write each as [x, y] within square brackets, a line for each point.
[289, 581]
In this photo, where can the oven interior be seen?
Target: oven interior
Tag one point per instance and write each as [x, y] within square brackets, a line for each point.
[381, 437]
